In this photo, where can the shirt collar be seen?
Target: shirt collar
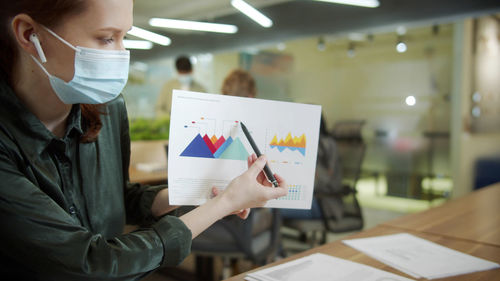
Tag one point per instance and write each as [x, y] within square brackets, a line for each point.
[28, 131]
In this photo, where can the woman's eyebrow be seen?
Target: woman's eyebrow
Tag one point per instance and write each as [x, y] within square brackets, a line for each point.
[113, 29]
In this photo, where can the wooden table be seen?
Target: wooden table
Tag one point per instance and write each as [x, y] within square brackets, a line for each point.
[474, 217]
[151, 178]
[480, 209]
[148, 152]
[338, 249]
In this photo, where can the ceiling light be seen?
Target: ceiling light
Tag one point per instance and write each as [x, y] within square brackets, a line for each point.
[361, 3]
[137, 44]
[252, 13]
[401, 30]
[401, 47]
[410, 101]
[148, 35]
[193, 25]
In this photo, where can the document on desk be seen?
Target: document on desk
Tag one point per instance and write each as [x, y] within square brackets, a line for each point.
[419, 257]
[208, 148]
[321, 267]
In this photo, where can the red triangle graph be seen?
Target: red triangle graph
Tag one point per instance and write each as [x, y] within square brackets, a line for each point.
[209, 144]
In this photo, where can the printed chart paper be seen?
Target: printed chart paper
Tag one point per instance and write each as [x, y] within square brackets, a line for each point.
[207, 146]
[321, 267]
[419, 257]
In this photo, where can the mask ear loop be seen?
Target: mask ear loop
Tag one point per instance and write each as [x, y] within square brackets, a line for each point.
[41, 66]
[60, 38]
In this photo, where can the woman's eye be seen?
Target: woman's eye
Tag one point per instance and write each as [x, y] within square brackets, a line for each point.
[108, 40]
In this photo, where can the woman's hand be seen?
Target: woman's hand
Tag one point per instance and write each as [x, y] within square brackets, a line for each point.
[252, 189]
[249, 190]
[243, 214]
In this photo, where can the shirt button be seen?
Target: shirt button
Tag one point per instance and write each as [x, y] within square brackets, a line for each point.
[72, 210]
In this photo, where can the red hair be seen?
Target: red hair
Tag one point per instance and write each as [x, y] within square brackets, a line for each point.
[48, 13]
[239, 83]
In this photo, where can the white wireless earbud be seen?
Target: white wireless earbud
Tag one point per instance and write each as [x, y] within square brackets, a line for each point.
[38, 47]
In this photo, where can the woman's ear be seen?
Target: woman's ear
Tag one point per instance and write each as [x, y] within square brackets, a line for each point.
[22, 27]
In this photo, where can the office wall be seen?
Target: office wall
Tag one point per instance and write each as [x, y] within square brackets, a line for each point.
[373, 86]
[467, 146]
[374, 83]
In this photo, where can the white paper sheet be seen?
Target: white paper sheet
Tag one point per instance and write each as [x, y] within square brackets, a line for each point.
[208, 148]
[419, 257]
[321, 267]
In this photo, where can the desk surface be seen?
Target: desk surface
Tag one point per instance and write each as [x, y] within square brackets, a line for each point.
[474, 217]
[338, 249]
[152, 178]
[470, 224]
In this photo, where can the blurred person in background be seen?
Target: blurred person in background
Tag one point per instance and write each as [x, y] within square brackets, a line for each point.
[183, 81]
[239, 83]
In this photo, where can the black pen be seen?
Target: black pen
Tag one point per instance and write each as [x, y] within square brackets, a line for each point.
[267, 171]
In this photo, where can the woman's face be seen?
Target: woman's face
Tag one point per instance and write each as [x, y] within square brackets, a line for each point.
[102, 25]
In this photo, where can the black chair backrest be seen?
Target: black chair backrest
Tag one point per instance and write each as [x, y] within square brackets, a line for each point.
[244, 231]
[351, 148]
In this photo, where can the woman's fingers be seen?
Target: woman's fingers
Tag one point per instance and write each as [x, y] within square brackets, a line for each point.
[215, 191]
[281, 181]
[251, 159]
[262, 179]
[243, 214]
[257, 167]
[280, 191]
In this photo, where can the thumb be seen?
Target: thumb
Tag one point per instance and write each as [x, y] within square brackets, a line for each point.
[215, 191]
[275, 192]
[257, 166]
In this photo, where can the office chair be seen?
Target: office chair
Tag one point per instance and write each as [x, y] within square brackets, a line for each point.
[340, 209]
[255, 239]
[351, 148]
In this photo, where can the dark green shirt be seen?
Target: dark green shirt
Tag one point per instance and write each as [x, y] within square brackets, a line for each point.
[63, 204]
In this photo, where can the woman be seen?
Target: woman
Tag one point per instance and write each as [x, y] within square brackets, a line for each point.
[64, 152]
[239, 83]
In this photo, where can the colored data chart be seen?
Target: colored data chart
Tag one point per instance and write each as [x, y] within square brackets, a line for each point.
[215, 147]
[294, 193]
[292, 143]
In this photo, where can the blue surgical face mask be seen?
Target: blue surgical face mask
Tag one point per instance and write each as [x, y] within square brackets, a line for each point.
[185, 79]
[100, 75]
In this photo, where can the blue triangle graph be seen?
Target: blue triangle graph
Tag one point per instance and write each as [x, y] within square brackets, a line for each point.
[197, 148]
[223, 147]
